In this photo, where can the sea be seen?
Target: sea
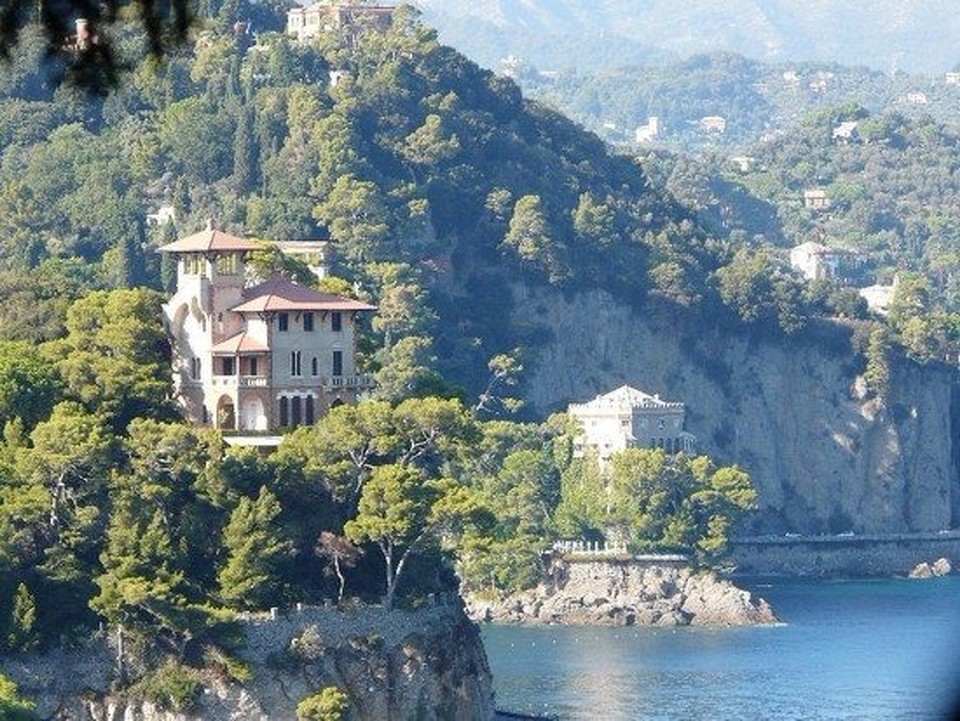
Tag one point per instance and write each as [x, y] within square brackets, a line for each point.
[853, 649]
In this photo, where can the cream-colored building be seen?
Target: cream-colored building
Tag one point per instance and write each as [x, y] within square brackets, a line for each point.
[629, 418]
[305, 23]
[261, 357]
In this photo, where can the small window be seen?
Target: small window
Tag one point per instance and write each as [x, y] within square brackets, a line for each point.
[336, 321]
[295, 363]
[308, 322]
[295, 411]
[252, 366]
[228, 366]
[284, 411]
[338, 363]
[195, 368]
[314, 366]
[283, 322]
[228, 264]
[308, 411]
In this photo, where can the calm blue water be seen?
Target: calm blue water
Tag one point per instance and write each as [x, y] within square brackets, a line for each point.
[885, 649]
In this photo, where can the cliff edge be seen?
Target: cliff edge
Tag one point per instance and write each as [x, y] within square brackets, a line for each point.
[826, 457]
[427, 664]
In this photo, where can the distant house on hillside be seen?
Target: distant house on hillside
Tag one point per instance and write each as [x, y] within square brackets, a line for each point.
[816, 261]
[879, 297]
[255, 358]
[816, 199]
[713, 124]
[305, 23]
[952, 78]
[916, 98]
[629, 418]
[165, 214]
[846, 132]
[648, 132]
[317, 255]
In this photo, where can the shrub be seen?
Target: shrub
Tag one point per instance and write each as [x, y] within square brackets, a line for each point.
[172, 687]
[330, 704]
[12, 706]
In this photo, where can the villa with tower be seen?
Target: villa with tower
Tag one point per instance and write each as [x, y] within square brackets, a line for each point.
[257, 357]
[629, 418]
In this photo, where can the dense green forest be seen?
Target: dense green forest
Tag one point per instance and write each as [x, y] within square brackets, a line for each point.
[440, 187]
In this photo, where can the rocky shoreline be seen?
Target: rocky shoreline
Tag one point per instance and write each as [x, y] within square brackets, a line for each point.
[626, 592]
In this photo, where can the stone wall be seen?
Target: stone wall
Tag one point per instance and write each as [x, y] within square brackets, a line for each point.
[865, 555]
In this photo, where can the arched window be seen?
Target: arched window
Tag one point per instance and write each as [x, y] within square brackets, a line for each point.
[308, 411]
[295, 416]
[284, 411]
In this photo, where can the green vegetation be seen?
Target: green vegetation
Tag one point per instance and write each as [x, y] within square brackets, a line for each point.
[171, 687]
[442, 189]
[329, 704]
[12, 706]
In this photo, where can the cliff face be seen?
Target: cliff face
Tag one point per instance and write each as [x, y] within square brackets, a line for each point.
[824, 457]
[427, 664]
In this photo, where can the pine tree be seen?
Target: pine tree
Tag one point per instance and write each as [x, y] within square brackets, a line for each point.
[245, 172]
[22, 633]
[256, 550]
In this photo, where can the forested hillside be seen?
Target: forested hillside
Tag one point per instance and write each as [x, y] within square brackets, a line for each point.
[440, 187]
[757, 100]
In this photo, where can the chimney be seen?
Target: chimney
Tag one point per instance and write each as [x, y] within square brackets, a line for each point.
[84, 35]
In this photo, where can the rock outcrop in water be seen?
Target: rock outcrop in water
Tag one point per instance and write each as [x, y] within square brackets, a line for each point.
[427, 664]
[940, 567]
[626, 592]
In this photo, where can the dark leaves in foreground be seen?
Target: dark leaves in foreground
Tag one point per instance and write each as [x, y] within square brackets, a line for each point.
[76, 35]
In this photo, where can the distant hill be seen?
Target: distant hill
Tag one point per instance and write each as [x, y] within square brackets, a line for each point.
[917, 36]
[757, 100]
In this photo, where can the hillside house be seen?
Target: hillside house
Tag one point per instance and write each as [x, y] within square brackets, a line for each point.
[351, 19]
[879, 297]
[317, 255]
[255, 357]
[629, 418]
[815, 261]
[846, 132]
[648, 132]
[816, 199]
[713, 124]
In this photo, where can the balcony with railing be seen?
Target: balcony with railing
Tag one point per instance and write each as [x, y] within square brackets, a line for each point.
[354, 381]
[235, 381]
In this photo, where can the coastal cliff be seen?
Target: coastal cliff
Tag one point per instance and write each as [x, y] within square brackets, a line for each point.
[427, 664]
[627, 592]
[825, 456]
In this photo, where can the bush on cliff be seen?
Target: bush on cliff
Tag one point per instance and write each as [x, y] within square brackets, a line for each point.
[12, 706]
[329, 704]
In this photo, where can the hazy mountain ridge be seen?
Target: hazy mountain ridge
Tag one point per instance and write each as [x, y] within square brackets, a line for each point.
[914, 35]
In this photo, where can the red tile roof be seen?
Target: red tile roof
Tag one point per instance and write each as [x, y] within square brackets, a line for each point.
[211, 240]
[240, 343]
[281, 294]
